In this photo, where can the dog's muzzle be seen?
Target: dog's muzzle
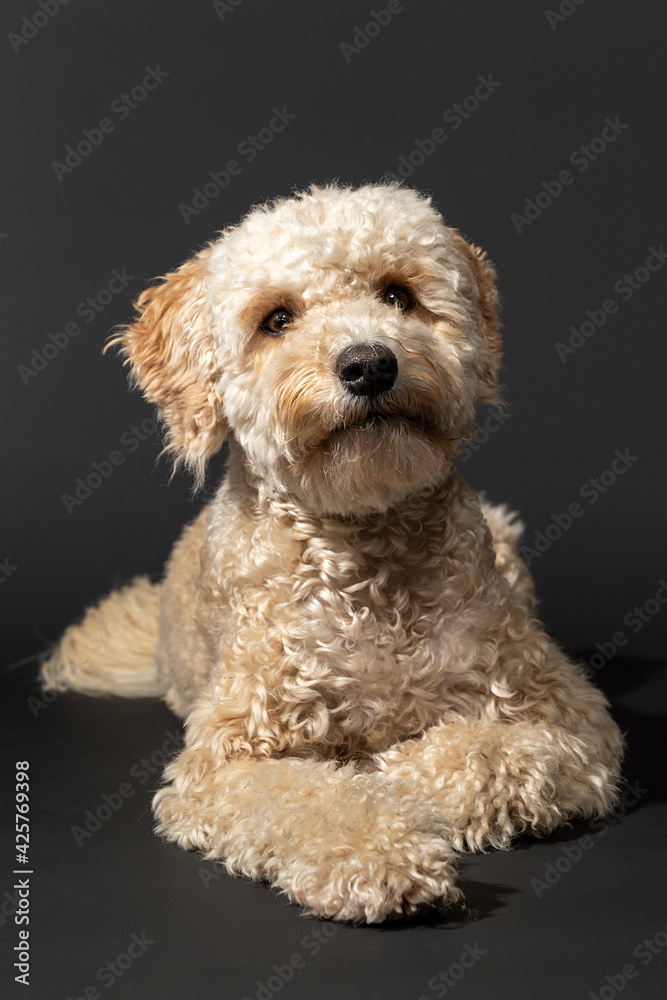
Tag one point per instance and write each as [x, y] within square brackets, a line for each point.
[367, 369]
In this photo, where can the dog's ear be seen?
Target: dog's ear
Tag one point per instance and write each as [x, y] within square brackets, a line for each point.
[171, 352]
[488, 302]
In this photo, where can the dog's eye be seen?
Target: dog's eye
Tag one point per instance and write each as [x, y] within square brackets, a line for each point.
[274, 324]
[397, 296]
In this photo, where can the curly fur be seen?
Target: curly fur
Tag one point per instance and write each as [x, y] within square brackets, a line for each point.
[348, 632]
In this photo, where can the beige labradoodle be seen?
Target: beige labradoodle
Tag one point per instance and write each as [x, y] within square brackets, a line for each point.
[348, 634]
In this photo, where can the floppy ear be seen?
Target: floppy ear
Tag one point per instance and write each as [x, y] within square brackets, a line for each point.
[171, 352]
[488, 303]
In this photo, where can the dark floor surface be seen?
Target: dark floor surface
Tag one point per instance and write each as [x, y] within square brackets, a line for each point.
[548, 919]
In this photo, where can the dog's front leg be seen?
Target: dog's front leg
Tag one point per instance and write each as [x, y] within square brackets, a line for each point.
[339, 842]
[525, 763]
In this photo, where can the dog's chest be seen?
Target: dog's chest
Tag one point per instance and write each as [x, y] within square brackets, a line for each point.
[353, 628]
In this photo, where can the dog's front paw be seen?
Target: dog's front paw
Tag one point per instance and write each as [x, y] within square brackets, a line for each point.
[389, 882]
[343, 845]
[178, 819]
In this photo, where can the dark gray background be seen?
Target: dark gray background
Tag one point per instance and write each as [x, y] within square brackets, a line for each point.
[119, 209]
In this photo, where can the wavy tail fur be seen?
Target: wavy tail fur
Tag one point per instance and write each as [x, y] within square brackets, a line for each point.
[112, 649]
[507, 529]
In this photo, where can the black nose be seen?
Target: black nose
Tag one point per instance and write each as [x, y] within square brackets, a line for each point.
[367, 369]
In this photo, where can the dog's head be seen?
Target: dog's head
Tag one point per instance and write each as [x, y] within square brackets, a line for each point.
[343, 336]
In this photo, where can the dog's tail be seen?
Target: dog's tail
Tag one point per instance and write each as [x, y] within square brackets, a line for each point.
[112, 649]
[507, 530]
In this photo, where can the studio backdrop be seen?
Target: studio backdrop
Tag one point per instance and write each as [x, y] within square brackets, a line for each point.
[132, 134]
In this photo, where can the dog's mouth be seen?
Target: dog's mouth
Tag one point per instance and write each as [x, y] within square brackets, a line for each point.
[378, 420]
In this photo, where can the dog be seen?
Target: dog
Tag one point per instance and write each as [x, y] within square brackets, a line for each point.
[347, 629]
